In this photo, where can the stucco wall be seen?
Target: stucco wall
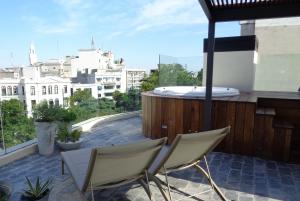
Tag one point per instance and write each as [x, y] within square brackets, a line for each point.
[232, 69]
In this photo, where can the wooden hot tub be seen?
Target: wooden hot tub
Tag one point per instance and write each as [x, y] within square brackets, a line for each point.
[264, 124]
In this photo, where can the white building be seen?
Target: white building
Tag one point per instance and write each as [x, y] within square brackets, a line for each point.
[57, 79]
[134, 77]
[33, 89]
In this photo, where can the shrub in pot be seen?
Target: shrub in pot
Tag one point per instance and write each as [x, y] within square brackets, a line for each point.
[66, 139]
[44, 116]
[5, 191]
[66, 116]
[38, 191]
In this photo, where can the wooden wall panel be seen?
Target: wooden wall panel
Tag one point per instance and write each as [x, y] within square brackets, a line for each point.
[248, 129]
[179, 116]
[239, 128]
[219, 120]
[252, 132]
[258, 135]
[195, 116]
[156, 117]
[230, 120]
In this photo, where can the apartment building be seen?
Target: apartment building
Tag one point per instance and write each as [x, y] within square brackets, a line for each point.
[134, 77]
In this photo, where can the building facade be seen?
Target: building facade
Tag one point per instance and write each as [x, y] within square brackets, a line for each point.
[266, 57]
[134, 77]
[34, 89]
[55, 80]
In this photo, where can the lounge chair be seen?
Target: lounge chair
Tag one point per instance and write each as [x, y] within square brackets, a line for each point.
[108, 167]
[186, 151]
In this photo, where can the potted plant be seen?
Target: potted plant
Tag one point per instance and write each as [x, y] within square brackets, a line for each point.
[5, 191]
[44, 116]
[38, 191]
[67, 117]
[68, 140]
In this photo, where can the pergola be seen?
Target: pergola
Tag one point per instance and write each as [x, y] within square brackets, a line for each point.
[237, 10]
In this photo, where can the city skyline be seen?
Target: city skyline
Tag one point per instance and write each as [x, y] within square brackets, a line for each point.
[135, 31]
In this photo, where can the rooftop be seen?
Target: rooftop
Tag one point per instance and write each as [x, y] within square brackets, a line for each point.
[241, 178]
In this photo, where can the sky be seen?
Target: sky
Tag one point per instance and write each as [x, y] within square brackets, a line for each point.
[136, 30]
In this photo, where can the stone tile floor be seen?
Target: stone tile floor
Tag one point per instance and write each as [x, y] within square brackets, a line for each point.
[241, 178]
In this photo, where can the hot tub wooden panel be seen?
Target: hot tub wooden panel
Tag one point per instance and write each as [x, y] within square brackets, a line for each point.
[251, 133]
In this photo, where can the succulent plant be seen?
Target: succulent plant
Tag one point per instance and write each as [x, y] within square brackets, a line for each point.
[38, 190]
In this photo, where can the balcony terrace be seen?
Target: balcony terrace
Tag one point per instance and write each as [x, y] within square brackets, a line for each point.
[240, 177]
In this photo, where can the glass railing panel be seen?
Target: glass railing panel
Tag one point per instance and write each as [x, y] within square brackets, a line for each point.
[179, 71]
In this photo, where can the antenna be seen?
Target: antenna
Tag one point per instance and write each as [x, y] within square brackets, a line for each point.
[92, 43]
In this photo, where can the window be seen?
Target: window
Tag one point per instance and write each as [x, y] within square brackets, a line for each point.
[56, 102]
[32, 90]
[108, 94]
[118, 79]
[65, 89]
[15, 90]
[9, 91]
[99, 79]
[49, 89]
[44, 91]
[99, 95]
[51, 103]
[118, 86]
[108, 87]
[55, 89]
[33, 103]
[66, 102]
[3, 90]
[23, 90]
[99, 88]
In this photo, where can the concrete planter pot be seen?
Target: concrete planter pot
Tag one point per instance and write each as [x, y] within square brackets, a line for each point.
[70, 145]
[5, 189]
[45, 137]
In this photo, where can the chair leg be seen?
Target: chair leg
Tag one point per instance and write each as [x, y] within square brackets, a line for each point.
[160, 187]
[146, 188]
[167, 181]
[212, 183]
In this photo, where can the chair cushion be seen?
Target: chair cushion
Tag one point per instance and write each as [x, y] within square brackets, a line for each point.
[77, 163]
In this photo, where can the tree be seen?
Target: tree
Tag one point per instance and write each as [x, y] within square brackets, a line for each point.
[81, 96]
[106, 106]
[151, 82]
[17, 127]
[171, 75]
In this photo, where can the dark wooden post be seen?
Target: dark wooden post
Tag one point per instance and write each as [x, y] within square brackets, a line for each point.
[209, 76]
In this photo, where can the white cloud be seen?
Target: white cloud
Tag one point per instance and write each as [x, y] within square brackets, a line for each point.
[71, 18]
[162, 13]
[118, 18]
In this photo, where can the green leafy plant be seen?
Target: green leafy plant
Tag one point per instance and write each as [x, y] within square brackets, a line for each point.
[64, 135]
[38, 190]
[75, 135]
[66, 115]
[43, 112]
